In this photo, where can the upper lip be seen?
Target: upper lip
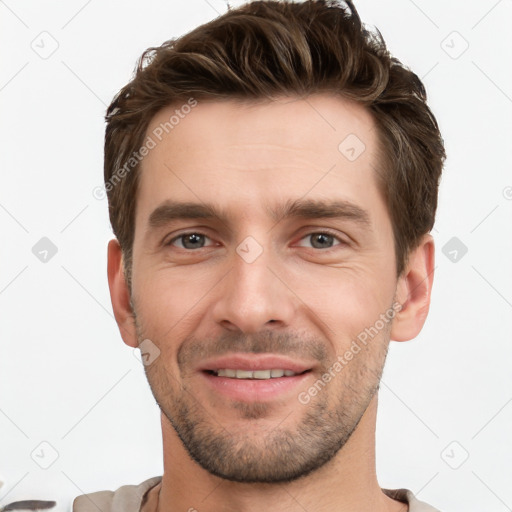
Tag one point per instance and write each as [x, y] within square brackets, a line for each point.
[255, 362]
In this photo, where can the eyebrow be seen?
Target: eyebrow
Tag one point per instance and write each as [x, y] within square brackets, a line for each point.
[303, 209]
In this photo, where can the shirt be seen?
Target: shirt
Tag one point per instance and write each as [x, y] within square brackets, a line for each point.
[128, 498]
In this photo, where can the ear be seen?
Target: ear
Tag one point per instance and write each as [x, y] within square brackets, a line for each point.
[413, 291]
[120, 295]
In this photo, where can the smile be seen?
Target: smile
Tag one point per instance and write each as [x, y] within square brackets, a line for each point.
[253, 374]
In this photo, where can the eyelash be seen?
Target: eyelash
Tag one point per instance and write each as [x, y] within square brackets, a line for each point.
[322, 232]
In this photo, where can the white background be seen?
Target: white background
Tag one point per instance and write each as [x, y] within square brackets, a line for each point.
[67, 379]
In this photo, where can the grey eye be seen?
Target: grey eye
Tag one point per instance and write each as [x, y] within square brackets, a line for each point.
[321, 240]
[190, 240]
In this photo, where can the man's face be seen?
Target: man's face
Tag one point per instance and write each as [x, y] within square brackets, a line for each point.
[264, 288]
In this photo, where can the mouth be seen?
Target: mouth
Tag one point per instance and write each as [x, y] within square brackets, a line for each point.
[274, 373]
[255, 377]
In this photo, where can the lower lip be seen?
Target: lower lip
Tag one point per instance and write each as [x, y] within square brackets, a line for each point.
[254, 389]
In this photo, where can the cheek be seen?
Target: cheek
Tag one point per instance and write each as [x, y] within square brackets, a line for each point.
[350, 302]
[168, 300]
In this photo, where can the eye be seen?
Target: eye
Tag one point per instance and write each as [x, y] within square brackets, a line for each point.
[192, 240]
[322, 240]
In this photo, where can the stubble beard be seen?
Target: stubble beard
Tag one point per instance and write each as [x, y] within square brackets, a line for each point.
[276, 454]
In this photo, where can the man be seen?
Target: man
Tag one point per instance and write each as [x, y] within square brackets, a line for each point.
[272, 180]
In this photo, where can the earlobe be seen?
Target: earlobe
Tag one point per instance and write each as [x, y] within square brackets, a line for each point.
[120, 295]
[413, 291]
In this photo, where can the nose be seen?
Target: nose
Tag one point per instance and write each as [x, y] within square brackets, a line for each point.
[254, 296]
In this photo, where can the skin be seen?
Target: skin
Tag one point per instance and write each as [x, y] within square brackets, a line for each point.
[303, 296]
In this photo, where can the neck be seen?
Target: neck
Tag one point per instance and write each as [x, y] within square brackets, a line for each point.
[346, 483]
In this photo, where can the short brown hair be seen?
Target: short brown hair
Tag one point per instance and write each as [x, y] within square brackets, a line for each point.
[266, 49]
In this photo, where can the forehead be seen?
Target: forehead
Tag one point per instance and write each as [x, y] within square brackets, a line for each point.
[254, 154]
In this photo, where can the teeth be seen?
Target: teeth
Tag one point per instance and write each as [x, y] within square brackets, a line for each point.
[256, 374]
[261, 374]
